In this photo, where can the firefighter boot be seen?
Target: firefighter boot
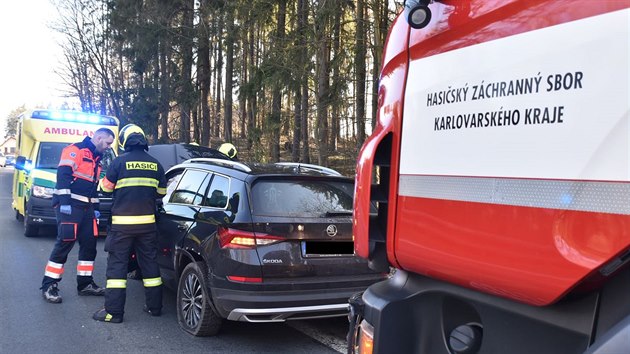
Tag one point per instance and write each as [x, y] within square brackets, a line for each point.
[103, 316]
[91, 289]
[51, 294]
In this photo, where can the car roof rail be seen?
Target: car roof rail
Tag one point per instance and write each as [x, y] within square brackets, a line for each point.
[228, 163]
[307, 166]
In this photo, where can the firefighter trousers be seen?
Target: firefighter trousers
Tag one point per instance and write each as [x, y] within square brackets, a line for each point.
[80, 226]
[119, 245]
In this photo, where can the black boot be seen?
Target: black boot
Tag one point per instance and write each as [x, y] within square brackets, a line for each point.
[51, 294]
[103, 316]
[91, 289]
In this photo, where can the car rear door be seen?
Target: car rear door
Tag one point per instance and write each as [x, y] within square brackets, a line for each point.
[185, 191]
[312, 218]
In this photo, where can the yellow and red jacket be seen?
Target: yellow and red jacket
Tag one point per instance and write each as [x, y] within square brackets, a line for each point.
[77, 175]
[137, 180]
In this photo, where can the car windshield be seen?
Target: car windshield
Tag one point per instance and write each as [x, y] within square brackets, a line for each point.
[302, 198]
[49, 155]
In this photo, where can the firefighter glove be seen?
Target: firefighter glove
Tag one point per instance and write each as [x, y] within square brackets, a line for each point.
[65, 209]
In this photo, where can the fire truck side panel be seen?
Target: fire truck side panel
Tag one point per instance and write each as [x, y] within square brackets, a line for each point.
[482, 177]
[532, 255]
[378, 148]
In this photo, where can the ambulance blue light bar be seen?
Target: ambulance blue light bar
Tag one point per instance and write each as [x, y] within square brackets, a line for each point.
[75, 116]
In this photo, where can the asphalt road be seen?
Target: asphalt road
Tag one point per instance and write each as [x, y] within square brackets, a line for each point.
[28, 324]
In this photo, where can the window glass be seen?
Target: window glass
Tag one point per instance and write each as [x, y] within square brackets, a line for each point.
[187, 190]
[107, 158]
[49, 155]
[202, 190]
[218, 192]
[302, 198]
[171, 184]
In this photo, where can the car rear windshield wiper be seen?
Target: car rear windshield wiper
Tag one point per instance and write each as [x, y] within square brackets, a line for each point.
[339, 213]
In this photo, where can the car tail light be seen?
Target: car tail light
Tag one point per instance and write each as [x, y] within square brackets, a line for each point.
[233, 238]
[240, 279]
[366, 338]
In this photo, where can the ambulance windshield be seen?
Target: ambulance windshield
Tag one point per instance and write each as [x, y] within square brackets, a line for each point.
[49, 155]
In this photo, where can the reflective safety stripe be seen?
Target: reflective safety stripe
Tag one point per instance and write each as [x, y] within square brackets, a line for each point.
[54, 270]
[80, 198]
[137, 182]
[85, 268]
[116, 283]
[161, 191]
[589, 196]
[107, 185]
[61, 191]
[84, 199]
[133, 219]
[108, 317]
[68, 163]
[89, 178]
[151, 282]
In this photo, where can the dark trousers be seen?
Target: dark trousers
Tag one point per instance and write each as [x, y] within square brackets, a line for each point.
[83, 217]
[119, 245]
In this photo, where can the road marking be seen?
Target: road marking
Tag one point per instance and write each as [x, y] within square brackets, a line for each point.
[333, 342]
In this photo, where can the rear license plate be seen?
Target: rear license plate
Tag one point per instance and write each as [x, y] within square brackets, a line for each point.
[327, 249]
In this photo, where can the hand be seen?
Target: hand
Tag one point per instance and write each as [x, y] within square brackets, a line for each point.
[65, 209]
[97, 214]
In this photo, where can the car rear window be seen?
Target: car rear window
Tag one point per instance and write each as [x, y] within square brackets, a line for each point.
[302, 198]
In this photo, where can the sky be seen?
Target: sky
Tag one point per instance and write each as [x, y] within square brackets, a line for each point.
[30, 55]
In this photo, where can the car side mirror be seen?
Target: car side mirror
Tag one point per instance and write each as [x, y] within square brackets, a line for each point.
[21, 162]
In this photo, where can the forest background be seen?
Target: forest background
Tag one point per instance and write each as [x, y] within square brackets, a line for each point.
[291, 80]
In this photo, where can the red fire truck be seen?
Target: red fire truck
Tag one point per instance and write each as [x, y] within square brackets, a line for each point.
[500, 167]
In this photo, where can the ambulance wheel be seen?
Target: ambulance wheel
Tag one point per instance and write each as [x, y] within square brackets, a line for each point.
[194, 311]
[18, 216]
[30, 230]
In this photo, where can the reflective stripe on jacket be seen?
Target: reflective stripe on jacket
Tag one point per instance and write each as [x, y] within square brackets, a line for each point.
[77, 174]
[137, 180]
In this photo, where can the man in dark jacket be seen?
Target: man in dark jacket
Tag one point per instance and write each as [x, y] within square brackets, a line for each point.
[137, 180]
[76, 207]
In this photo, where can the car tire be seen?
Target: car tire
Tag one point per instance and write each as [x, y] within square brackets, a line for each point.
[30, 230]
[194, 311]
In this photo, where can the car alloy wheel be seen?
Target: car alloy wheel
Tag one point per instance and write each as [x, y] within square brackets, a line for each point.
[192, 300]
[194, 311]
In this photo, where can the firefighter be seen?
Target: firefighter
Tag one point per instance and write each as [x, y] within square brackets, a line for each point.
[76, 208]
[137, 180]
[229, 150]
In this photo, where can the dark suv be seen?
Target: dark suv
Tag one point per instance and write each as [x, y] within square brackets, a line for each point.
[258, 243]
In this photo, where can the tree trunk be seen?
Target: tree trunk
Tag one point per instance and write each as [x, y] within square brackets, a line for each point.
[359, 60]
[165, 90]
[185, 98]
[303, 84]
[229, 70]
[218, 69]
[251, 118]
[336, 77]
[276, 100]
[323, 83]
[204, 72]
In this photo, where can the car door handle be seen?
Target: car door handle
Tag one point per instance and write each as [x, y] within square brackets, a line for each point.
[182, 227]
